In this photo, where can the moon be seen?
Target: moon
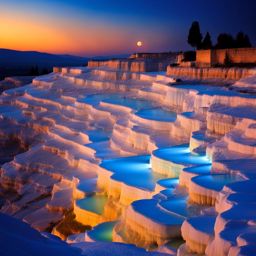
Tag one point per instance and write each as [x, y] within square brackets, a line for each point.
[139, 43]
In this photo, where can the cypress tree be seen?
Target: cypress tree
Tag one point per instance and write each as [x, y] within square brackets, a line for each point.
[242, 40]
[195, 36]
[225, 41]
[207, 42]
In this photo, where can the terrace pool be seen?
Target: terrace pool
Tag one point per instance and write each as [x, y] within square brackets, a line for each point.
[181, 154]
[102, 232]
[157, 114]
[93, 204]
[132, 103]
[134, 171]
[216, 181]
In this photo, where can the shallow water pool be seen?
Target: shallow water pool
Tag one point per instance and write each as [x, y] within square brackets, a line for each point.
[93, 204]
[181, 155]
[216, 181]
[132, 103]
[133, 171]
[102, 232]
[157, 114]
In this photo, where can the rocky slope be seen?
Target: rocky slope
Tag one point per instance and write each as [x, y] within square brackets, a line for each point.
[105, 154]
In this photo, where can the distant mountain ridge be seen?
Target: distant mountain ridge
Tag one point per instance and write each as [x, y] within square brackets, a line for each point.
[20, 63]
[17, 58]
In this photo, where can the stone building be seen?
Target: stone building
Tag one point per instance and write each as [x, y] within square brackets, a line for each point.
[218, 57]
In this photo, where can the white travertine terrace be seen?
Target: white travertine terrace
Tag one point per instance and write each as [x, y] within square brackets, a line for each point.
[138, 157]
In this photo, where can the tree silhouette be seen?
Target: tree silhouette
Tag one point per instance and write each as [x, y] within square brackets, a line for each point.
[225, 41]
[195, 36]
[242, 40]
[207, 42]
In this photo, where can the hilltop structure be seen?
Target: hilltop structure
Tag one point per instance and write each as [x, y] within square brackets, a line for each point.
[215, 57]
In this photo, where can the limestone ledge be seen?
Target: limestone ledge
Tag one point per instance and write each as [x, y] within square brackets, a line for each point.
[209, 73]
[118, 190]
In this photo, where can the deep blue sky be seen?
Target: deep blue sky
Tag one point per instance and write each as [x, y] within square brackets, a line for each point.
[94, 27]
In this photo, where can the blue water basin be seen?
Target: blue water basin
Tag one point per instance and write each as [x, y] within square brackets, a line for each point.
[102, 232]
[95, 99]
[93, 204]
[216, 181]
[98, 135]
[150, 209]
[181, 155]
[134, 171]
[157, 114]
[132, 103]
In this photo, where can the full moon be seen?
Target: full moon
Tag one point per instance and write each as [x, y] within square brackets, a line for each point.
[139, 43]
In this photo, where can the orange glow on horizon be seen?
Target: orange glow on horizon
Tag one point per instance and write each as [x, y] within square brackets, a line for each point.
[31, 30]
[22, 33]
[55, 36]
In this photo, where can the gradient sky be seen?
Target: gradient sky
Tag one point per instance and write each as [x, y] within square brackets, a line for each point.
[104, 27]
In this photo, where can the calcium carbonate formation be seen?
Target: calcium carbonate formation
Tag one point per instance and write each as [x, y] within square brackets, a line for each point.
[138, 157]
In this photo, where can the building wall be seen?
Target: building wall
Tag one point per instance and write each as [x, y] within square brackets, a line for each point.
[160, 55]
[204, 73]
[130, 65]
[217, 57]
[203, 58]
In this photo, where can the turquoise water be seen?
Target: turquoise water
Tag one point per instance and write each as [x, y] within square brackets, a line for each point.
[206, 89]
[200, 170]
[93, 204]
[98, 135]
[103, 150]
[95, 99]
[149, 208]
[133, 171]
[102, 232]
[177, 205]
[181, 154]
[135, 104]
[117, 99]
[157, 114]
[164, 194]
[203, 223]
[88, 185]
[169, 183]
[215, 181]
[240, 197]
[188, 114]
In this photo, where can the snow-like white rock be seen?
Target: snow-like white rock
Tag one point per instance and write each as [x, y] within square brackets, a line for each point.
[112, 144]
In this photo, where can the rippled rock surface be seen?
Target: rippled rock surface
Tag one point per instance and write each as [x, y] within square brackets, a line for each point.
[99, 155]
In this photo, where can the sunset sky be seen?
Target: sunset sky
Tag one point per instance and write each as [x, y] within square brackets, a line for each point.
[104, 27]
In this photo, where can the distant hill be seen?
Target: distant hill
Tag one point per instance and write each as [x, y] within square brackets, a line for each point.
[20, 63]
[14, 62]
[14, 58]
